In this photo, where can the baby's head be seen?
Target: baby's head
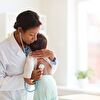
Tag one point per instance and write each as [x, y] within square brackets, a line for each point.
[40, 43]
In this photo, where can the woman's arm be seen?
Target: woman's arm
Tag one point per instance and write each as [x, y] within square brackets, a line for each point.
[30, 75]
[6, 82]
[29, 66]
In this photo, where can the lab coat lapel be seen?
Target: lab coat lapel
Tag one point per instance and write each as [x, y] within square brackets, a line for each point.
[15, 46]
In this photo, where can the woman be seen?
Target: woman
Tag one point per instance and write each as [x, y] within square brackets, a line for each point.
[13, 52]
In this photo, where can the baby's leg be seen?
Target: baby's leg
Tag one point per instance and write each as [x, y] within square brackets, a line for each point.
[46, 89]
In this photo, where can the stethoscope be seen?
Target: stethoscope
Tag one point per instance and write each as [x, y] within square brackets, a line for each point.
[20, 36]
[27, 89]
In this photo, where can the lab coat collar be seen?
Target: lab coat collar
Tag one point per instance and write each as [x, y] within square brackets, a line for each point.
[15, 46]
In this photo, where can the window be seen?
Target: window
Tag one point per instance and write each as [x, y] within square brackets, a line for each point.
[83, 41]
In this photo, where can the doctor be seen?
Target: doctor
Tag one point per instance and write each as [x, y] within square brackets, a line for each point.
[13, 52]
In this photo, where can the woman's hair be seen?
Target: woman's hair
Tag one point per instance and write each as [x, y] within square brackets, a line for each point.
[40, 43]
[26, 20]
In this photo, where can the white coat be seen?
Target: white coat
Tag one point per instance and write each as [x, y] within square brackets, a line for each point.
[12, 60]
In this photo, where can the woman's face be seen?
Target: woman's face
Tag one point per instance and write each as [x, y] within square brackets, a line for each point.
[30, 35]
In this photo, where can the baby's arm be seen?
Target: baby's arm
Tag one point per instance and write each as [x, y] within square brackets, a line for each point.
[53, 63]
[28, 68]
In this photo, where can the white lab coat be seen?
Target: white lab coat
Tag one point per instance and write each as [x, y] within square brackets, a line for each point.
[12, 60]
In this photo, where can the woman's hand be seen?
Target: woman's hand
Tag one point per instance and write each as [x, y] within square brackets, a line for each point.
[36, 74]
[47, 70]
[29, 81]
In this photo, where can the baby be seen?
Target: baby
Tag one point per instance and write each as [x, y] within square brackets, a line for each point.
[46, 87]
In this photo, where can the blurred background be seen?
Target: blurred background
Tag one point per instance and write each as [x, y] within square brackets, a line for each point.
[73, 30]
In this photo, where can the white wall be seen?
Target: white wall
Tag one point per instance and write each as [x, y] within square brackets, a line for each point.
[19, 5]
[55, 10]
[7, 18]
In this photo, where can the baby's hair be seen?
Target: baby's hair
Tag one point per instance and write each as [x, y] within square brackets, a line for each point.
[40, 43]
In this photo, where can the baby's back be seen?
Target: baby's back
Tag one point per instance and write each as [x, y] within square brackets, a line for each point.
[47, 70]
